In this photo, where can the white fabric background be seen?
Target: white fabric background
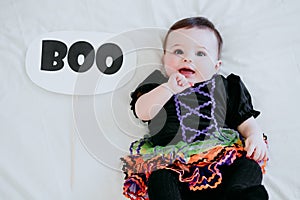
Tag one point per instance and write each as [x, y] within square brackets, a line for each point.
[41, 153]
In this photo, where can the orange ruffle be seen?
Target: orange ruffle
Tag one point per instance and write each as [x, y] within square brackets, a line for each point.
[201, 171]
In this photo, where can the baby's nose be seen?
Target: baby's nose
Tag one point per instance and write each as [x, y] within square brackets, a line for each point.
[186, 59]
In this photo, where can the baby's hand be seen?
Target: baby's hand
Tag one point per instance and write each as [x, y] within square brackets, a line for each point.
[177, 83]
[256, 147]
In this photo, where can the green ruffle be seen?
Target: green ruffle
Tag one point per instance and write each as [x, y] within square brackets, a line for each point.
[223, 137]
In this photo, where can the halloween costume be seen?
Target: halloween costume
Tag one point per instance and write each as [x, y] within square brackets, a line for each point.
[193, 136]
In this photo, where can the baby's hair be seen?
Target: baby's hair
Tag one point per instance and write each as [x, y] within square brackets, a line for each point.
[199, 22]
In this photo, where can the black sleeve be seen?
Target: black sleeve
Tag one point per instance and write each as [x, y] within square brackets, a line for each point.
[239, 103]
[155, 79]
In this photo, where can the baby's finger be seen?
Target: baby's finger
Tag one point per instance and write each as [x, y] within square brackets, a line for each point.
[246, 145]
[179, 77]
[250, 150]
[179, 82]
[184, 82]
[262, 155]
[266, 156]
[257, 155]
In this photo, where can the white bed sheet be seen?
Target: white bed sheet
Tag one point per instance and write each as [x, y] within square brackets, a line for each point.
[41, 148]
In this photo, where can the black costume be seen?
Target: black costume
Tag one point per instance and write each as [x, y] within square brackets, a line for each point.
[194, 141]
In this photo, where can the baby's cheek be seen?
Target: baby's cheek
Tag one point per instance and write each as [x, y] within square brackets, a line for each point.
[171, 61]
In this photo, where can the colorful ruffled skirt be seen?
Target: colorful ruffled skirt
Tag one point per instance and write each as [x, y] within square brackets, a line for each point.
[197, 163]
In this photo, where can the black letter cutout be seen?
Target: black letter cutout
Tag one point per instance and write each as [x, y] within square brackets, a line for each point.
[81, 48]
[109, 50]
[50, 62]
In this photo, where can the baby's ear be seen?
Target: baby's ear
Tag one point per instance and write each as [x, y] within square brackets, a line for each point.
[218, 64]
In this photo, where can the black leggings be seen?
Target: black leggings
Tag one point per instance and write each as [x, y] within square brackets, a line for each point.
[241, 181]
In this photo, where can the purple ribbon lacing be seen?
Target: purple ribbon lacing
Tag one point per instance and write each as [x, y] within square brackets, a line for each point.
[196, 111]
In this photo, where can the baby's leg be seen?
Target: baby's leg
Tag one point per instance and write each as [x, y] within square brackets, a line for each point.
[242, 180]
[163, 185]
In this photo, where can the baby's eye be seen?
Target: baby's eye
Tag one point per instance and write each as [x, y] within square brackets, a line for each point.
[200, 53]
[178, 51]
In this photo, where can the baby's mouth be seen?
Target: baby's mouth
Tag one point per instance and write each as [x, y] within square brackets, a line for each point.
[187, 72]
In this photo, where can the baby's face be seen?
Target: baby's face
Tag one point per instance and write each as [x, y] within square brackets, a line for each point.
[192, 52]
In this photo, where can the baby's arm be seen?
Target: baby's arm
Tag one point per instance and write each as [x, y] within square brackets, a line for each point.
[254, 143]
[149, 104]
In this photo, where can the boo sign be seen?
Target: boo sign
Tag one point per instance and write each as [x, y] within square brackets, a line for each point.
[91, 63]
[81, 63]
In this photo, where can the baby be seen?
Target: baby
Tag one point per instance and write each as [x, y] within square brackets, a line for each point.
[204, 141]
